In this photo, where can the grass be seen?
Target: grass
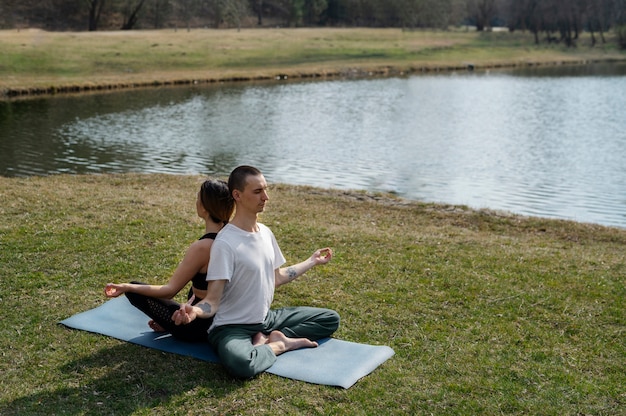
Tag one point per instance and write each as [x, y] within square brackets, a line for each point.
[488, 313]
[37, 61]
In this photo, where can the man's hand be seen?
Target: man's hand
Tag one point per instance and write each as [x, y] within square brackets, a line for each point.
[322, 256]
[184, 315]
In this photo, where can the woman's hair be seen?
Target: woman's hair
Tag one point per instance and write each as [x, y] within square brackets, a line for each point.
[216, 199]
[239, 177]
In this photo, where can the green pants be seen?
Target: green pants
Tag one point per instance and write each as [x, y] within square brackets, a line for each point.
[233, 343]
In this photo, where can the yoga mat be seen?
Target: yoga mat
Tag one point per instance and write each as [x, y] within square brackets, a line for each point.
[334, 362]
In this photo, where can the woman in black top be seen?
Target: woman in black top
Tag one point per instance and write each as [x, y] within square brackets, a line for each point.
[215, 206]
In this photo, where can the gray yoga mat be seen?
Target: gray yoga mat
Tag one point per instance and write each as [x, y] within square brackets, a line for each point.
[334, 362]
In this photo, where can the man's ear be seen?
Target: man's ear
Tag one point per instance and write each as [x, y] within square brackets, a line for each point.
[236, 195]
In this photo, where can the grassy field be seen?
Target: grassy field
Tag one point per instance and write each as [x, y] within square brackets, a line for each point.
[34, 61]
[488, 313]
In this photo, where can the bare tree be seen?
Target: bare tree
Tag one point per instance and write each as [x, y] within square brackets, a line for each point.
[132, 14]
[11, 13]
[95, 8]
[411, 12]
[425, 13]
[525, 15]
[231, 12]
[160, 11]
[482, 12]
[259, 11]
[598, 16]
[552, 20]
[619, 16]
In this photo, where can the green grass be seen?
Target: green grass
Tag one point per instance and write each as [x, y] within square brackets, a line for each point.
[488, 313]
[37, 59]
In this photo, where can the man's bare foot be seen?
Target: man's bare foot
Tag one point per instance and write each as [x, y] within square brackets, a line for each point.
[155, 327]
[280, 343]
[259, 339]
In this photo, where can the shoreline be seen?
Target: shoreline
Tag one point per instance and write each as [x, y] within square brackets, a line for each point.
[118, 83]
[35, 63]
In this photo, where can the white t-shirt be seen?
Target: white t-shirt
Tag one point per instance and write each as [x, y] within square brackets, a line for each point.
[247, 260]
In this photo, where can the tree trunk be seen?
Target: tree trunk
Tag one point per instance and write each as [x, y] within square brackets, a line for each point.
[95, 10]
[593, 37]
[602, 34]
[132, 19]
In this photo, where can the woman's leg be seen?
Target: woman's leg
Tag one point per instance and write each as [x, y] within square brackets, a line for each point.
[161, 311]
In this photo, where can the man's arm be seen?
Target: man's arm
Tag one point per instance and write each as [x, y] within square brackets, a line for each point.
[289, 274]
[204, 309]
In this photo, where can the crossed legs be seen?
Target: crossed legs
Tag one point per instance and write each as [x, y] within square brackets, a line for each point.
[247, 350]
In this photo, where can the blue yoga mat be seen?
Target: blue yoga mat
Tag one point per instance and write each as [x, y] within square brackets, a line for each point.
[334, 362]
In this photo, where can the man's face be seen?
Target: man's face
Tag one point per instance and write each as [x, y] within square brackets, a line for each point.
[254, 196]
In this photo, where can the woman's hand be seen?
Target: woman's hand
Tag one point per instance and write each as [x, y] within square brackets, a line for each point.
[112, 290]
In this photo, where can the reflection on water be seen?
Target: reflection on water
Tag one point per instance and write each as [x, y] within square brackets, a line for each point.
[531, 143]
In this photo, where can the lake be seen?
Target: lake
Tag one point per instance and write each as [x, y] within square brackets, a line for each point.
[547, 142]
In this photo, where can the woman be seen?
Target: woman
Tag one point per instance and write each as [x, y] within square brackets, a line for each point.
[215, 206]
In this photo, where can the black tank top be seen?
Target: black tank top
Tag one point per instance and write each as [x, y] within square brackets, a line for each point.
[199, 280]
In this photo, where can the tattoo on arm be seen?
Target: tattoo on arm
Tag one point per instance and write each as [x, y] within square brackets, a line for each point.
[291, 272]
[206, 308]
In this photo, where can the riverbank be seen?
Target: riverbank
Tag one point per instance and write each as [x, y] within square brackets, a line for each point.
[34, 62]
[488, 313]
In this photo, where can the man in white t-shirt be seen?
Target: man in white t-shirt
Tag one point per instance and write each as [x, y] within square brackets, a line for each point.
[245, 268]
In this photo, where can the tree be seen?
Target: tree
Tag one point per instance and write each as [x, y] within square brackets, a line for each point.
[313, 11]
[258, 6]
[160, 12]
[131, 14]
[482, 12]
[524, 15]
[95, 8]
[620, 22]
[552, 20]
[597, 17]
[231, 12]
[424, 13]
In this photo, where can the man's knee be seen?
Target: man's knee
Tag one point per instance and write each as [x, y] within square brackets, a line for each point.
[248, 364]
[331, 320]
[238, 368]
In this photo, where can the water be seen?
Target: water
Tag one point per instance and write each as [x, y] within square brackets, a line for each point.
[544, 143]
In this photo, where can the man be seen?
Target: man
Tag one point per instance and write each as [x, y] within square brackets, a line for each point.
[244, 270]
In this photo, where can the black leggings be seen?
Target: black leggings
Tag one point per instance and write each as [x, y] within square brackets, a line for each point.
[161, 311]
